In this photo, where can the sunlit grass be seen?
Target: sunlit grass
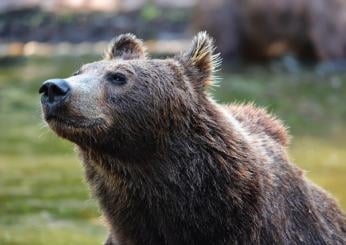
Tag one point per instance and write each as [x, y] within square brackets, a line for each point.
[324, 162]
[44, 199]
[43, 196]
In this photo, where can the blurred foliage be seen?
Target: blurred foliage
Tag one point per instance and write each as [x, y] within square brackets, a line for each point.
[43, 198]
[150, 12]
[308, 103]
[34, 24]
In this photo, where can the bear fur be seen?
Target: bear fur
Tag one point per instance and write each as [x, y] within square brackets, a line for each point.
[168, 165]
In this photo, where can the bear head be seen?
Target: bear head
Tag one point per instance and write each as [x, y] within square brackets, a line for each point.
[128, 100]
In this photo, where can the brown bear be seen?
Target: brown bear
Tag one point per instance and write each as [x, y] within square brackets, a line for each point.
[169, 165]
[262, 29]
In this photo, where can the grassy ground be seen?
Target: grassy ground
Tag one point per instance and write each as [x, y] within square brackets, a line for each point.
[43, 197]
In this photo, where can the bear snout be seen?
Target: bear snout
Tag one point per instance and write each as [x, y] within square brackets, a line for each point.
[54, 93]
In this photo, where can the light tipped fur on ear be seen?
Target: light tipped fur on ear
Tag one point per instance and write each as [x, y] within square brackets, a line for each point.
[125, 46]
[201, 56]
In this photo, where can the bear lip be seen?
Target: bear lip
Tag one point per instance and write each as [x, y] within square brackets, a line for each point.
[74, 122]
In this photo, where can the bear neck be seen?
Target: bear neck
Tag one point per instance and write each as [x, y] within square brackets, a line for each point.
[210, 165]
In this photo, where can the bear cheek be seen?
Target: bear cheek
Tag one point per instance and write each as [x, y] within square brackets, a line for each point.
[88, 105]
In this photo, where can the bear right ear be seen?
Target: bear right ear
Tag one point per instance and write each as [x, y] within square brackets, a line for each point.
[201, 60]
[127, 47]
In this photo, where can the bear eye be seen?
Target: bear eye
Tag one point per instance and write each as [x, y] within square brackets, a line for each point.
[116, 78]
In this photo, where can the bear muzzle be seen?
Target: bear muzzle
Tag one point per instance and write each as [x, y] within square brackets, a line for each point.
[54, 93]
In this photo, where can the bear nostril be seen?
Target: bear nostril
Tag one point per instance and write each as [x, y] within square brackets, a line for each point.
[54, 89]
[43, 89]
[58, 90]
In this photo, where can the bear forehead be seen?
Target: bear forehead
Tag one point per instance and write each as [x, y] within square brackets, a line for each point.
[130, 66]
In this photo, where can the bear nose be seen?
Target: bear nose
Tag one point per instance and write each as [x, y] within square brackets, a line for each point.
[55, 90]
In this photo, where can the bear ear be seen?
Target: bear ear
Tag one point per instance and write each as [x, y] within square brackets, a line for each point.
[201, 61]
[127, 47]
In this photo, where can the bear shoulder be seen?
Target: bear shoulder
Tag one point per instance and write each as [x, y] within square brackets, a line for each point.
[258, 120]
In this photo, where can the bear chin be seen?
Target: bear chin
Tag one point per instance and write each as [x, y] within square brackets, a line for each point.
[68, 127]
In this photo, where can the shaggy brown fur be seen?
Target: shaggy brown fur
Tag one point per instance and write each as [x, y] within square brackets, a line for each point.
[170, 166]
[257, 120]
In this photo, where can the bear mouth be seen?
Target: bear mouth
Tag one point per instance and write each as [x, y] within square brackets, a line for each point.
[73, 122]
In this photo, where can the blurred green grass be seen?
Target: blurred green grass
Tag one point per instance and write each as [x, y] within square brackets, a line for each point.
[43, 197]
